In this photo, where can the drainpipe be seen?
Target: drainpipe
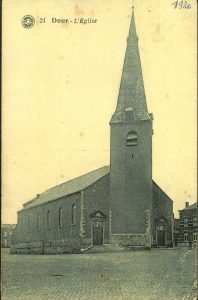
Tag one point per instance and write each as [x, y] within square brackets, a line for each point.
[82, 219]
[43, 242]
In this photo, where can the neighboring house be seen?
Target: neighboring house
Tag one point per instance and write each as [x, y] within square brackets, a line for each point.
[6, 232]
[176, 231]
[119, 204]
[188, 224]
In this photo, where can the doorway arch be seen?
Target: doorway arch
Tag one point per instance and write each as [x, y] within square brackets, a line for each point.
[97, 228]
[161, 232]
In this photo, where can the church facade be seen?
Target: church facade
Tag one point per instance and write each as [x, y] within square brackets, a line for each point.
[118, 204]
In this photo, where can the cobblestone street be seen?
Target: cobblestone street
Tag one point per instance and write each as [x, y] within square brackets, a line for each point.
[151, 275]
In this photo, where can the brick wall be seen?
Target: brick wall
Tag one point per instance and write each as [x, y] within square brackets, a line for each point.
[6, 232]
[187, 226]
[162, 207]
[29, 236]
[52, 238]
[96, 197]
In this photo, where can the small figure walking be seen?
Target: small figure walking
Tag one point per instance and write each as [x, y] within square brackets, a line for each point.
[176, 241]
[190, 245]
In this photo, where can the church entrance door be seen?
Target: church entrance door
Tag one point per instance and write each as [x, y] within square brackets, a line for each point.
[161, 235]
[97, 228]
[97, 235]
[161, 238]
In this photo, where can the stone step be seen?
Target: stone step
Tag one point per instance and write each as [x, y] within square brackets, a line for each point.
[103, 248]
[86, 249]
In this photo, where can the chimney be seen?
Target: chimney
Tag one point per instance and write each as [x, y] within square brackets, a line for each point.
[187, 204]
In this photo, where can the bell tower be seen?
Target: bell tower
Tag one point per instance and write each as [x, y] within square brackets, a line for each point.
[131, 154]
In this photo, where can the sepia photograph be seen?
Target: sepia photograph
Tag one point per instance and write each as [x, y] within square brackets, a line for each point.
[99, 150]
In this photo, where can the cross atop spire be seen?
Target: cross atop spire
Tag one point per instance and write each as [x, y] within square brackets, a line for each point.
[131, 94]
[132, 4]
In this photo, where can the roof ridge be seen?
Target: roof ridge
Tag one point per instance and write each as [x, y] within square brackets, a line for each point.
[74, 179]
[157, 186]
[190, 206]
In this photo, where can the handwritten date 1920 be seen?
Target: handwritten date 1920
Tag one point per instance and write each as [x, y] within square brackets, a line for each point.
[181, 4]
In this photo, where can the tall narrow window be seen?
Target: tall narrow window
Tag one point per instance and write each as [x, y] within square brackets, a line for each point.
[73, 219]
[38, 222]
[131, 139]
[185, 237]
[60, 222]
[48, 219]
[194, 221]
[185, 222]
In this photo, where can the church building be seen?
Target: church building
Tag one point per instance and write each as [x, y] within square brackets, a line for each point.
[116, 205]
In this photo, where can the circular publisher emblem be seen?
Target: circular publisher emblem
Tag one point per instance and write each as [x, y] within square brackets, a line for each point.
[28, 21]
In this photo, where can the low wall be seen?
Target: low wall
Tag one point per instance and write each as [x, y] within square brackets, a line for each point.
[27, 248]
[49, 247]
[135, 240]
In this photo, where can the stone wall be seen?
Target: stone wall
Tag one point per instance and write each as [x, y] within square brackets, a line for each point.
[135, 240]
[27, 248]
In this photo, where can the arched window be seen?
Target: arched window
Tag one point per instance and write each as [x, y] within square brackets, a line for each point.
[48, 219]
[38, 222]
[60, 219]
[73, 216]
[131, 139]
[129, 114]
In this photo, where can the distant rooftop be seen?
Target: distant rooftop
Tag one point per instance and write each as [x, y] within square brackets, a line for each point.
[193, 206]
[11, 226]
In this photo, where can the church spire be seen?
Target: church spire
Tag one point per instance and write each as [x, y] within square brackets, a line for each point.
[131, 99]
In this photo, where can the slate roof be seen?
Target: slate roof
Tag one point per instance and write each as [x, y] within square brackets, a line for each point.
[67, 188]
[132, 93]
[76, 185]
[193, 206]
[160, 191]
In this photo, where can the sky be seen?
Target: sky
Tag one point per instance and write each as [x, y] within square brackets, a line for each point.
[60, 88]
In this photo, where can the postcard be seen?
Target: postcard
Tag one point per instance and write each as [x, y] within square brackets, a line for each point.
[99, 149]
